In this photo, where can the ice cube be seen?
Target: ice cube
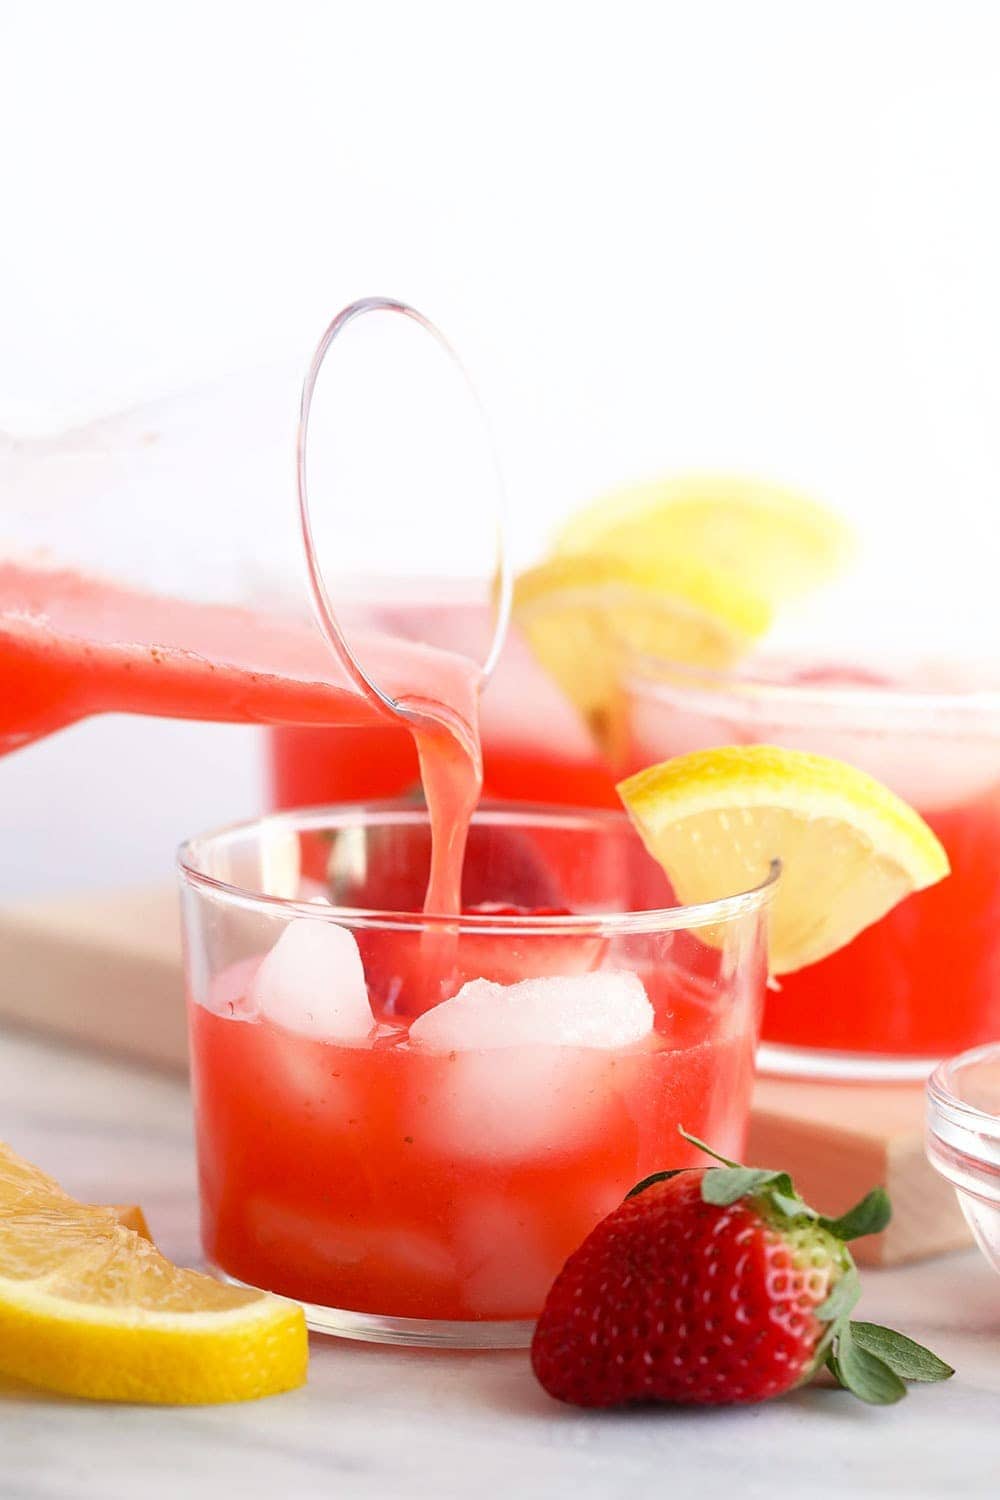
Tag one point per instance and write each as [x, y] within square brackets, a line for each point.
[514, 1104]
[303, 1238]
[312, 1075]
[604, 1010]
[505, 1265]
[230, 992]
[526, 1070]
[317, 1244]
[313, 982]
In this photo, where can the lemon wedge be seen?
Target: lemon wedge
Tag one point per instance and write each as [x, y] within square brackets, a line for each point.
[132, 1216]
[580, 614]
[89, 1307]
[743, 529]
[685, 570]
[850, 849]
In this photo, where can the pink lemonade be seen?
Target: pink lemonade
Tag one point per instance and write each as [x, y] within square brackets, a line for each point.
[389, 1179]
[924, 982]
[387, 1144]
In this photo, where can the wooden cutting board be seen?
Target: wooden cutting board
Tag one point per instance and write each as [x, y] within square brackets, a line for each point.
[838, 1140]
[104, 970]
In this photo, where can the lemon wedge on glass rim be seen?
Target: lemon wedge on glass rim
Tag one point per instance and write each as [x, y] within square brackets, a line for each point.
[89, 1307]
[745, 529]
[685, 570]
[850, 849]
[580, 613]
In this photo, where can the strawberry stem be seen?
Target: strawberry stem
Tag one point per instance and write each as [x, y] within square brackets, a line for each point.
[694, 1141]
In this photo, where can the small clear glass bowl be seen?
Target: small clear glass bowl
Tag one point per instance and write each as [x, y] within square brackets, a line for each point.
[963, 1138]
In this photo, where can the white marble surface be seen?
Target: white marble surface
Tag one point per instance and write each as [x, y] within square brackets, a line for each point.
[381, 1424]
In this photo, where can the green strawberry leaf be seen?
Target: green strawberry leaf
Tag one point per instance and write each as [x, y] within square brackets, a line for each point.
[870, 1216]
[725, 1185]
[789, 1203]
[646, 1182]
[908, 1359]
[863, 1373]
[731, 1181]
[842, 1296]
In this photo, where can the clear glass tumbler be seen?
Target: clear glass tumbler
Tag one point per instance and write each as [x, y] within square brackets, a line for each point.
[408, 1122]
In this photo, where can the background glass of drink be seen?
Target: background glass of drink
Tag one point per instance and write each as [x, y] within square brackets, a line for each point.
[414, 1174]
[925, 981]
[536, 748]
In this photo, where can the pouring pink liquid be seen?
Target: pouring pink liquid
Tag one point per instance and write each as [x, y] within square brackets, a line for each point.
[72, 645]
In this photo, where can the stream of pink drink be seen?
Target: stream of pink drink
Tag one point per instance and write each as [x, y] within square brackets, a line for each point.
[73, 645]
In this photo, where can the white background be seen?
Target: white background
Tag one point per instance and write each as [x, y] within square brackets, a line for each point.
[663, 235]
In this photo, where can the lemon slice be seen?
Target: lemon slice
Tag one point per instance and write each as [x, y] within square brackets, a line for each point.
[741, 528]
[132, 1216]
[580, 613]
[850, 849]
[90, 1308]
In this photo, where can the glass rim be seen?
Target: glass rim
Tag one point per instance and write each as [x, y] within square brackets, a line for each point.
[723, 909]
[927, 710]
[945, 1106]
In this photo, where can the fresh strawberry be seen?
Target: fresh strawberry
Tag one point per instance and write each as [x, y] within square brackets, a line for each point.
[717, 1285]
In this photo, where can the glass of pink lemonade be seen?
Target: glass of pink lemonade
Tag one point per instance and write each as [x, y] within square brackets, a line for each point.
[924, 982]
[408, 1121]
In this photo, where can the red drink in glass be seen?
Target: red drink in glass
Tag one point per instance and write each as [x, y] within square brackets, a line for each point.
[924, 982]
[424, 1179]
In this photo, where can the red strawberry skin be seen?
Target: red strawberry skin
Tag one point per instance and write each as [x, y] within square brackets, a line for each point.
[672, 1299]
